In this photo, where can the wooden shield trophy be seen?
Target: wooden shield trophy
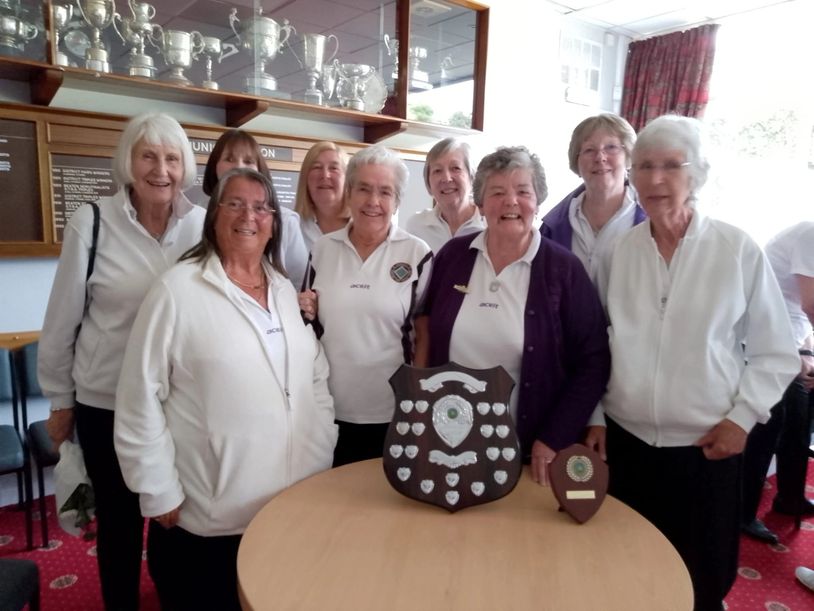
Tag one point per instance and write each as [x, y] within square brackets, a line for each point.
[452, 442]
[579, 480]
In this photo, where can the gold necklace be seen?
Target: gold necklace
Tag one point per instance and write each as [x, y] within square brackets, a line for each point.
[249, 286]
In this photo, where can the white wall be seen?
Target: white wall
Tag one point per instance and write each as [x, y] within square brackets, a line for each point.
[524, 105]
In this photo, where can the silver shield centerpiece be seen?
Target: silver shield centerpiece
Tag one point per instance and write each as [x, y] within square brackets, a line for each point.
[265, 38]
[98, 14]
[353, 79]
[15, 31]
[313, 59]
[135, 31]
[179, 48]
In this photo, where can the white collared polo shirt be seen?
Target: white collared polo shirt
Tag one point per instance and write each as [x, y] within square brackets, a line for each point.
[366, 311]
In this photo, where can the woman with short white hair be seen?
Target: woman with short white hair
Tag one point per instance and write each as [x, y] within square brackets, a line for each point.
[142, 231]
[701, 347]
[370, 277]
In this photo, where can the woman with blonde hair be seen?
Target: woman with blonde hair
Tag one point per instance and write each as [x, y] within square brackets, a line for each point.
[320, 200]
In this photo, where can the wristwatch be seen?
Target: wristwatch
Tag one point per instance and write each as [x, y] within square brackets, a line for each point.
[806, 352]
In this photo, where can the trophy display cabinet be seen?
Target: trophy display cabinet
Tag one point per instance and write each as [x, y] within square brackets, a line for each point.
[386, 66]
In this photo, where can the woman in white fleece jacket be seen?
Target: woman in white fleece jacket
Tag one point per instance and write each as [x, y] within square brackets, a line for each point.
[223, 400]
[701, 348]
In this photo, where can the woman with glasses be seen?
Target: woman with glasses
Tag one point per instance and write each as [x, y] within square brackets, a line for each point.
[238, 149]
[589, 221]
[701, 347]
[369, 278]
[223, 401]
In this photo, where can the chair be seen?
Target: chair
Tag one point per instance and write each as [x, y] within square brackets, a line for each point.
[13, 451]
[19, 584]
[39, 443]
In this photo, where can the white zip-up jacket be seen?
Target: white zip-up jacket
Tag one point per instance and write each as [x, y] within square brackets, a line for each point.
[86, 367]
[203, 419]
[678, 365]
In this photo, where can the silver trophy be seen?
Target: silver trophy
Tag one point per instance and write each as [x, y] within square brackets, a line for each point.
[61, 14]
[135, 31]
[353, 79]
[179, 48]
[265, 37]
[98, 14]
[328, 78]
[419, 79]
[14, 30]
[313, 59]
[213, 48]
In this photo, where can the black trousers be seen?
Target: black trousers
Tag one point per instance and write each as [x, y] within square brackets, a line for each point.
[359, 442]
[693, 501]
[119, 525]
[787, 434]
[191, 572]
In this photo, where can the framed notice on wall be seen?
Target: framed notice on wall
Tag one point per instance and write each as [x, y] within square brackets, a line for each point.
[75, 180]
[20, 218]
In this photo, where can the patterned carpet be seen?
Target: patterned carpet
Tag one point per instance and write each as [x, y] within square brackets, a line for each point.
[766, 582]
[766, 572]
[69, 580]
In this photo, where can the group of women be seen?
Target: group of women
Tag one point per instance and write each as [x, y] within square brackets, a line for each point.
[233, 386]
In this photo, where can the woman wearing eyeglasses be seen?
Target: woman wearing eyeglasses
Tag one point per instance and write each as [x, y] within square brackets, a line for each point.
[223, 401]
[591, 219]
[701, 347]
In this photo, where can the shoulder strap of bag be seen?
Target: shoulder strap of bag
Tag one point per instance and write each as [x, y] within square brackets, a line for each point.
[95, 240]
[92, 253]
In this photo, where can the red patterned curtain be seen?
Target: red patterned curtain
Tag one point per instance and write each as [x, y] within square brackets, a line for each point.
[668, 74]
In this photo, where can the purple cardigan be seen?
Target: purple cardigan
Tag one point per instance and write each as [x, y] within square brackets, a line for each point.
[566, 360]
[557, 226]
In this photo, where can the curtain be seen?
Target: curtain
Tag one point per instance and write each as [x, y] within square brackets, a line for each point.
[668, 74]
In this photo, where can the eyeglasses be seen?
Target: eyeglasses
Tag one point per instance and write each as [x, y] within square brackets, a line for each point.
[609, 150]
[259, 210]
[668, 167]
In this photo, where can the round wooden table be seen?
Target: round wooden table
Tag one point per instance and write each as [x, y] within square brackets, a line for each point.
[344, 539]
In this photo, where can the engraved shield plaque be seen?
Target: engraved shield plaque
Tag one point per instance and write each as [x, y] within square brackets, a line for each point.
[579, 480]
[452, 442]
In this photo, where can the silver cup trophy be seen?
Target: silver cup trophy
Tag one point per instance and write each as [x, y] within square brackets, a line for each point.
[135, 31]
[213, 49]
[14, 30]
[419, 79]
[313, 60]
[179, 49]
[265, 37]
[98, 14]
[353, 79]
[328, 78]
[61, 14]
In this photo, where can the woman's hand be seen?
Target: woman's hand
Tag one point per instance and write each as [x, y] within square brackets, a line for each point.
[60, 426]
[595, 439]
[308, 304]
[169, 519]
[541, 457]
[723, 440]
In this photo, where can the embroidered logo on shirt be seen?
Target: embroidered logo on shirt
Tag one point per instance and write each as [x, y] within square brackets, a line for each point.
[401, 272]
[358, 285]
[486, 304]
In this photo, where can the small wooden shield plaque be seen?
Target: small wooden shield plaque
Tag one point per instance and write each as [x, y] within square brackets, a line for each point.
[579, 480]
[452, 441]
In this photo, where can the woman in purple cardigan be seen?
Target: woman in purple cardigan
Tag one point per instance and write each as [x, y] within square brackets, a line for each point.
[507, 296]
